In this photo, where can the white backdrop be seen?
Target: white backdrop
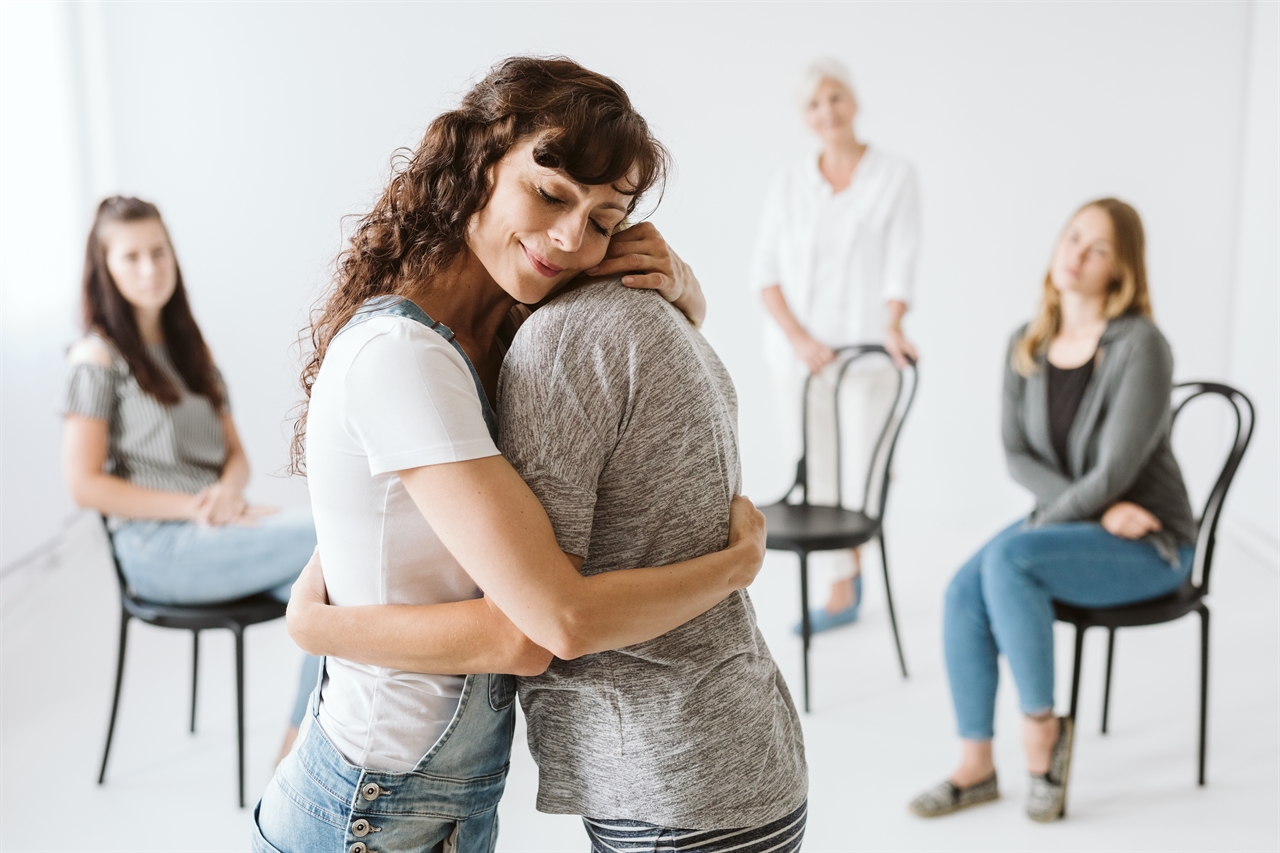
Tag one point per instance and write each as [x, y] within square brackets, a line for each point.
[257, 127]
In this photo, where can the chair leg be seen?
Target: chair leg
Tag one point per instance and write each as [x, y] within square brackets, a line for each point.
[115, 701]
[1106, 691]
[888, 593]
[1204, 683]
[806, 630]
[239, 632]
[1075, 673]
[195, 673]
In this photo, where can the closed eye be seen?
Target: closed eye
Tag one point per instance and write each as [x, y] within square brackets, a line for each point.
[550, 199]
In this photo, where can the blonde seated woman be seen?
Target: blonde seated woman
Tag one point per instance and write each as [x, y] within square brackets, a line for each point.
[1086, 430]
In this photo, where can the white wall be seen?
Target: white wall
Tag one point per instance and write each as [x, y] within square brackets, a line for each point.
[1255, 353]
[256, 127]
[41, 252]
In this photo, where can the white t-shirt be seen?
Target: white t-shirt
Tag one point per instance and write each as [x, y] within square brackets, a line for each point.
[839, 257]
[392, 394]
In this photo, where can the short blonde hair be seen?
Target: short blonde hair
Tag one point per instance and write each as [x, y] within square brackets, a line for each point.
[817, 71]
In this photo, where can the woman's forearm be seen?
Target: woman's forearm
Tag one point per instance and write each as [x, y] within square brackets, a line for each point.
[113, 496]
[895, 310]
[460, 637]
[617, 609]
[776, 304]
[235, 471]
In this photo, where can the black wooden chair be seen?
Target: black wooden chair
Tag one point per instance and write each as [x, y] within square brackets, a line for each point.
[804, 528]
[235, 616]
[1192, 594]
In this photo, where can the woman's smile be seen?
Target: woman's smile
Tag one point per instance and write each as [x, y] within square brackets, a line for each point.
[540, 264]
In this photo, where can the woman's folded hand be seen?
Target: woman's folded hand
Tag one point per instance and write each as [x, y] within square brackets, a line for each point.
[1129, 521]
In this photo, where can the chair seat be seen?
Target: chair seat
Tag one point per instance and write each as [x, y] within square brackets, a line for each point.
[805, 528]
[252, 610]
[1150, 612]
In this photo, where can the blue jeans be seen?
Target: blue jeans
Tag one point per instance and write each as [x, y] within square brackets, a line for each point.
[318, 802]
[180, 562]
[1001, 601]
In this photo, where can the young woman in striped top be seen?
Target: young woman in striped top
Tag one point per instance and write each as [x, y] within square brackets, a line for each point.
[149, 441]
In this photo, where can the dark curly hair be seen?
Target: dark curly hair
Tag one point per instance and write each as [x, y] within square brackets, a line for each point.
[585, 125]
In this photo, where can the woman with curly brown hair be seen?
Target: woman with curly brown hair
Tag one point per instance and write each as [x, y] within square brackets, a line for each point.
[507, 198]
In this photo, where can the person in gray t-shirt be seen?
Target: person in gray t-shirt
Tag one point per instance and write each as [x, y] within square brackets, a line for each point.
[623, 422]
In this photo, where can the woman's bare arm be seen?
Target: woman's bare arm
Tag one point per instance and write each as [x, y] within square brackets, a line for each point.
[815, 354]
[500, 534]
[84, 455]
[464, 636]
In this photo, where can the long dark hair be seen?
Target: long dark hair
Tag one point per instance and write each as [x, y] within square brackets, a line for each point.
[110, 315]
[586, 126]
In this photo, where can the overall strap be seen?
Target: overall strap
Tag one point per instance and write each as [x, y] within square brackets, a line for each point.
[398, 306]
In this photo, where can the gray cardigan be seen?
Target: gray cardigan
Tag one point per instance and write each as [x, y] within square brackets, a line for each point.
[1118, 446]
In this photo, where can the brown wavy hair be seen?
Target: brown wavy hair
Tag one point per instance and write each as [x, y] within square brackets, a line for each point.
[585, 125]
[107, 313]
[1126, 294]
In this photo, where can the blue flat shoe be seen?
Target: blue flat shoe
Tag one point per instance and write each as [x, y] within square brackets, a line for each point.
[820, 620]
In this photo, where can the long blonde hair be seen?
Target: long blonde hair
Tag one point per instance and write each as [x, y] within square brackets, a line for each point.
[1126, 294]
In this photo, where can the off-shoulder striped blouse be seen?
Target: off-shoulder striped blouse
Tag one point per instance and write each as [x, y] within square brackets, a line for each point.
[178, 448]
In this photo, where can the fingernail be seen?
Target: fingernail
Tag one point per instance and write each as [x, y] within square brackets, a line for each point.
[628, 279]
[592, 270]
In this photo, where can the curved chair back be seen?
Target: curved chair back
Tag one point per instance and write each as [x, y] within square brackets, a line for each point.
[876, 488]
[115, 561]
[1242, 407]
[1207, 530]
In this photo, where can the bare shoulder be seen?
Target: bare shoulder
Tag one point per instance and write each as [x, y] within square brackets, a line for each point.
[90, 350]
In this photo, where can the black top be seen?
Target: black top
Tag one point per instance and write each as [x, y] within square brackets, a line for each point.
[1066, 389]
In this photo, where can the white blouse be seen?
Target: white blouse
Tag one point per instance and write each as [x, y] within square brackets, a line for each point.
[839, 257]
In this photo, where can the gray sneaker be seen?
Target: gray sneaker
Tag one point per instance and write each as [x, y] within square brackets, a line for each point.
[945, 798]
[1048, 799]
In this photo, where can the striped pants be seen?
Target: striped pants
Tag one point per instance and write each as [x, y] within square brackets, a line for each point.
[783, 835]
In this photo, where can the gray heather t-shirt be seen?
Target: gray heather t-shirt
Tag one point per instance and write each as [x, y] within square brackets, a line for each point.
[623, 421]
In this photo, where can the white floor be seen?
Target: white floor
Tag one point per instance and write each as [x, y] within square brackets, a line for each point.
[873, 739]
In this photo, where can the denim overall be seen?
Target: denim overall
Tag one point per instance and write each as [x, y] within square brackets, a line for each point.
[318, 802]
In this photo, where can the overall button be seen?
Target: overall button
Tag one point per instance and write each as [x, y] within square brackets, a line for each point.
[360, 828]
[371, 791]
[359, 847]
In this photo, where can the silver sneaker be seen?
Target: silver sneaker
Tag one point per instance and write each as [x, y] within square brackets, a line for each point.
[945, 798]
[1048, 799]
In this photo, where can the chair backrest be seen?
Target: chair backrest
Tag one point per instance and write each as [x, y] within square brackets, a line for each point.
[1207, 524]
[115, 560]
[876, 487]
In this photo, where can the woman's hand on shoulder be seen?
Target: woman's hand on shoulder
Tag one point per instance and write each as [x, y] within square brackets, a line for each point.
[749, 535]
[1127, 520]
[646, 261]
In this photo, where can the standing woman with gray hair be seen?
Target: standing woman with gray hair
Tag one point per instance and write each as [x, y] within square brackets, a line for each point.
[835, 265]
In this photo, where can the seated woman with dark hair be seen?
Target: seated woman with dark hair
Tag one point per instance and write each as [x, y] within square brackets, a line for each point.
[149, 441]
[1086, 429]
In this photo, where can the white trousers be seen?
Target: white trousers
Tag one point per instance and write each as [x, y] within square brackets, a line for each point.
[866, 397]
